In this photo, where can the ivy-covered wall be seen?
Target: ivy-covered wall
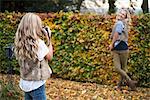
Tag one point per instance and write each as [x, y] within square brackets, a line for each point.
[81, 46]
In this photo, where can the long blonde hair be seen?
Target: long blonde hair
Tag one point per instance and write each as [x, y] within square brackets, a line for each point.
[26, 39]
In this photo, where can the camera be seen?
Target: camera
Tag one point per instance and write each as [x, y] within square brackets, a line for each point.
[9, 51]
[47, 31]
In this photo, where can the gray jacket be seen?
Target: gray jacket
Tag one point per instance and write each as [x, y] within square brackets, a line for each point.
[34, 71]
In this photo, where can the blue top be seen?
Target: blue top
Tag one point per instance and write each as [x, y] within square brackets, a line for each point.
[119, 27]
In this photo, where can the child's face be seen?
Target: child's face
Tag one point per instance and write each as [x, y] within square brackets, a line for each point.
[121, 15]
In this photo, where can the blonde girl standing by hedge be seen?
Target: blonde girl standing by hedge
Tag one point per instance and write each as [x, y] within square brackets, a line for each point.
[119, 47]
[33, 55]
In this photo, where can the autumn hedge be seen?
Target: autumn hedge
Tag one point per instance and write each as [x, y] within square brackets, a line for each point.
[81, 46]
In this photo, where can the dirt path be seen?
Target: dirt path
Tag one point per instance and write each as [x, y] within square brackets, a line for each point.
[59, 89]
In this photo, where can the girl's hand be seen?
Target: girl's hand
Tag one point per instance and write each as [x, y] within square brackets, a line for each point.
[111, 47]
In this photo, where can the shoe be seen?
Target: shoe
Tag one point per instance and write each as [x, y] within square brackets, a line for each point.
[132, 84]
[118, 88]
[122, 82]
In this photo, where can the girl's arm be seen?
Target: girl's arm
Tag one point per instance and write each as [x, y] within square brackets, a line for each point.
[49, 56]
[115, 37]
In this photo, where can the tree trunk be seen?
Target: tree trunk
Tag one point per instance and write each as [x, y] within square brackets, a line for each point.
[79, 4]
[111, 6]
[144, 6]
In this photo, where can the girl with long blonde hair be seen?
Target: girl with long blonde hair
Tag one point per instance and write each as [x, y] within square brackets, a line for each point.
[32, 54]
[119, 47]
